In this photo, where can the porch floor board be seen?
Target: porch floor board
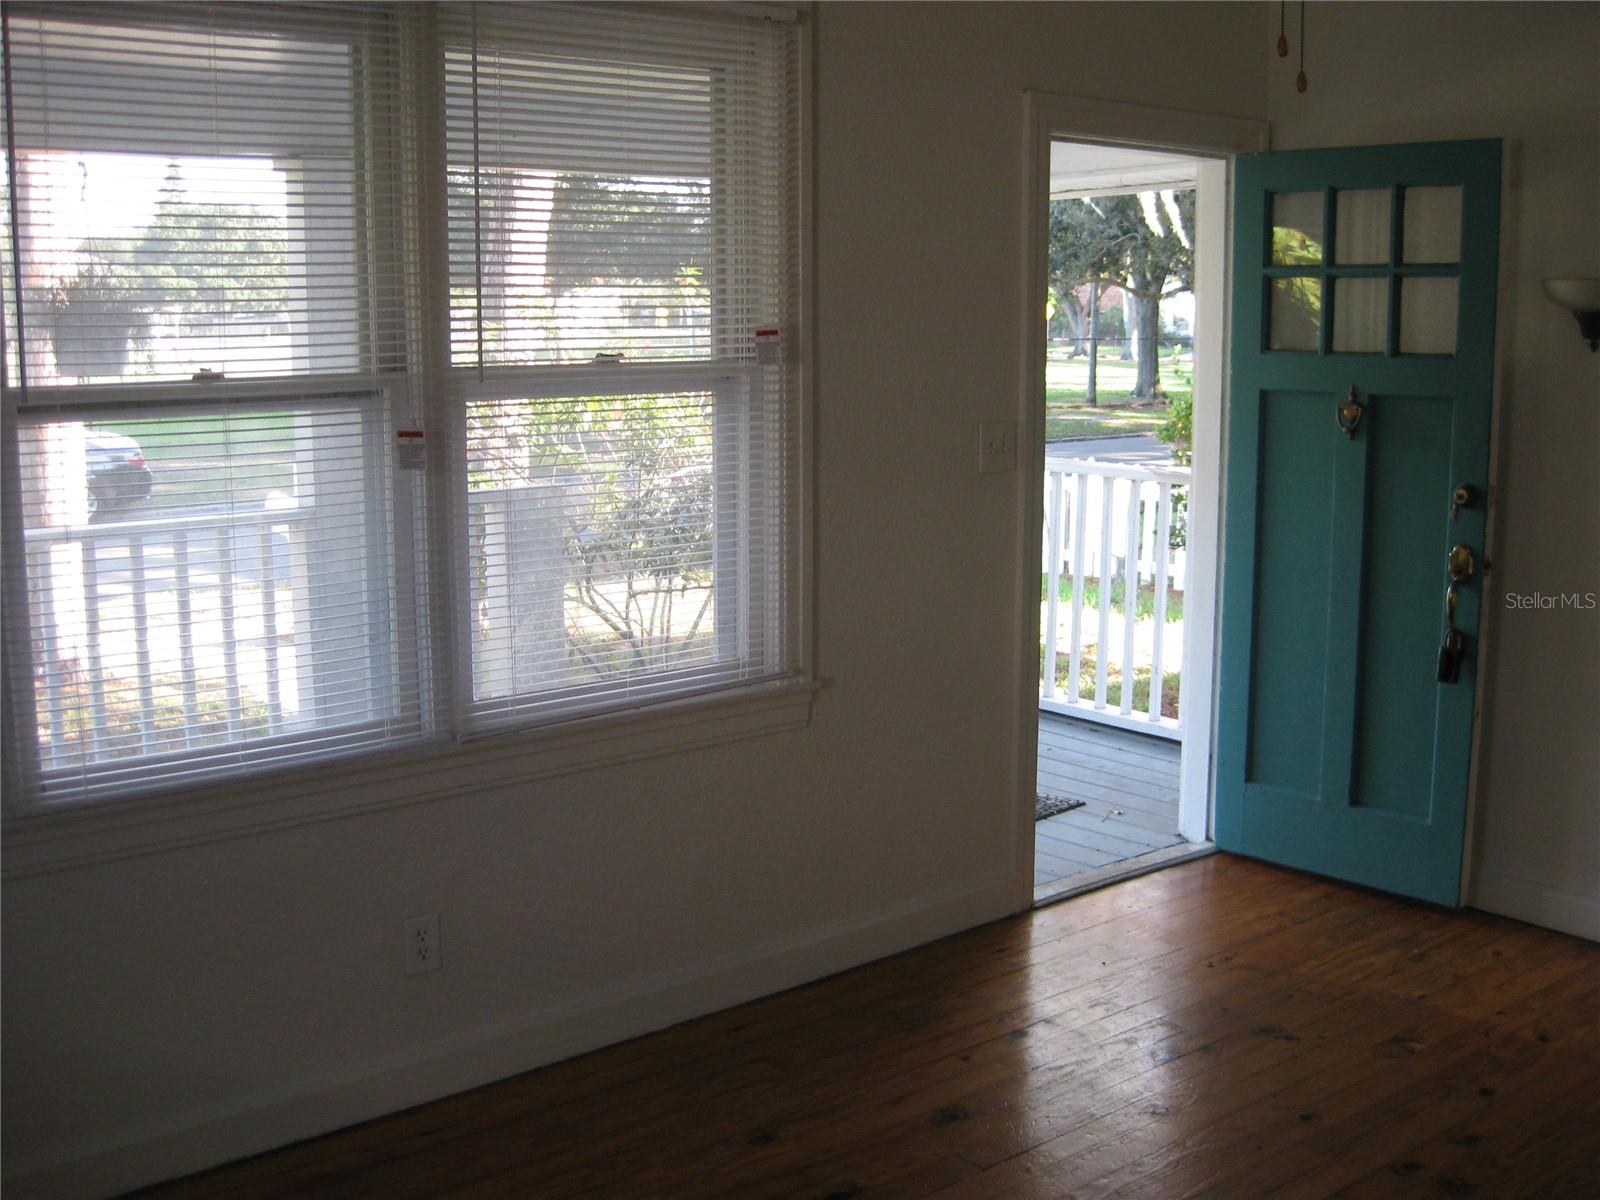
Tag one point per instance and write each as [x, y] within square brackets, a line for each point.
[1128, 783]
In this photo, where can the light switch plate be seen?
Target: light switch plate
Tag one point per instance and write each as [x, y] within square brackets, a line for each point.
[997, 447]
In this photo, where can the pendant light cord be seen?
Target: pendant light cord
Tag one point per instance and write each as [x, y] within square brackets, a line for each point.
[1300, 79]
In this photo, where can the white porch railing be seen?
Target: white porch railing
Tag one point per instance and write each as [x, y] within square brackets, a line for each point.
[171, 632]
[1109, 526]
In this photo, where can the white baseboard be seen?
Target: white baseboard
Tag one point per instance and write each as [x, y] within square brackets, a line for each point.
[1536, 903]
[184, 1142]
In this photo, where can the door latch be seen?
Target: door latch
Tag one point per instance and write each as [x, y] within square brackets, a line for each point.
[1450, 654]
[1460, 566]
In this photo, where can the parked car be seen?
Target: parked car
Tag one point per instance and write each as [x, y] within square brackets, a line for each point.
[116, 471]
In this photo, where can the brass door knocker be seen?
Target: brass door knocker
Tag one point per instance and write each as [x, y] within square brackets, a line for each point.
[1350, 414]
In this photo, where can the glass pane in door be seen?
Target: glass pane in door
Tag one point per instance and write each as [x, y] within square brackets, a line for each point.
[1361, 226]
[1360, 315]
[1432, 225]
[1297, 229]
[1295, 317]
[1428, 315]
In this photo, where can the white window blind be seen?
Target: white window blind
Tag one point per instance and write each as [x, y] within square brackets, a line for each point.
[205, 188]
[258, 255]
[621, 237]
[207, 323]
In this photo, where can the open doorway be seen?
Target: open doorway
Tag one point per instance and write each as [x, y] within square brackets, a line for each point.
[1134, 251]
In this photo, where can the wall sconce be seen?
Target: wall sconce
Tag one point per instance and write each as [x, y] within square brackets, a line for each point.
[1582, 298]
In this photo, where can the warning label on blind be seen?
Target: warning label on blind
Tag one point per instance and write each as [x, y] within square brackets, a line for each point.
[411, 449]
[768, 346]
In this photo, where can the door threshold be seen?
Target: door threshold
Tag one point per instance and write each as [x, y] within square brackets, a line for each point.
[1128, 868]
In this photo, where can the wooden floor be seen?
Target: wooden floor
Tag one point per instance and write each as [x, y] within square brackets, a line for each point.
[1129, 783]
[1221, 1029]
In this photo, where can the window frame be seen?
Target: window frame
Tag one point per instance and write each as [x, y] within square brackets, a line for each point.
[433, 765]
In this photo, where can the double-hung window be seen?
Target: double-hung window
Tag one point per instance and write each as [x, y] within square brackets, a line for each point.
[619, 203]
[210, 555]
[378, 375]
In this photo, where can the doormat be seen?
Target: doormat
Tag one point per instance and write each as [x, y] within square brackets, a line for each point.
[1050, 805]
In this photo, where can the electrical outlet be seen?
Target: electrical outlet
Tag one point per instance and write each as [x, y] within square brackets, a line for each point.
[423, 951]
[997, 446]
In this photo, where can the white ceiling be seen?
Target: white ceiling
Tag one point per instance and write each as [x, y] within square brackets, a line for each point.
[1085, 169]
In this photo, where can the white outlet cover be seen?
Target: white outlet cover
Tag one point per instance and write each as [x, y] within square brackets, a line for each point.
[423, 951]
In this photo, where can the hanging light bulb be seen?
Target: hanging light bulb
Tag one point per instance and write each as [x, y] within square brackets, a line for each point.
[1283, 42]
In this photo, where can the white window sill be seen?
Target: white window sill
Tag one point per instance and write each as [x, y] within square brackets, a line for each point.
[48, 841]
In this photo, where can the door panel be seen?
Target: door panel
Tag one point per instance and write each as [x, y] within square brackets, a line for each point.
[1408, 469]
[1294, 528]
[1364, 285]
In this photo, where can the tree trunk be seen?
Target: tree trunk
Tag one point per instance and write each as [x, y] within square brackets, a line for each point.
[1128, 335]
[1147, 322]
[1094, 338]
[1072, 317]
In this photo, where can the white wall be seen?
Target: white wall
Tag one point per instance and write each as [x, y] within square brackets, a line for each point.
[175, 1009]
[1530, 74]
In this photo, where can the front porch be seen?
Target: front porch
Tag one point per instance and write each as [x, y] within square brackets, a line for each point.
[1129, 785]
[1111, 654]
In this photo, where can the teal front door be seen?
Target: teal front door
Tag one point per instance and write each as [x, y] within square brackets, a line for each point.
[1357, 463]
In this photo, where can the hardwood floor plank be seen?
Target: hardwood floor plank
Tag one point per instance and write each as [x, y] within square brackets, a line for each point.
[1034, 1045]
[1000, 1133]
[1172, 1148]
[1538, 1131]
[1123, 988]
[1042, 1116]
[1220, 1029]
[1581, 1182]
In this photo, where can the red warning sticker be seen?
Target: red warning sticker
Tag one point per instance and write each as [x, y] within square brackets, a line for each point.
[768, 345]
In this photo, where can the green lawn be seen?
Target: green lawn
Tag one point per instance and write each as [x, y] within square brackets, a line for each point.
[1069, 415]
[1144, 607]
[1171, 682]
